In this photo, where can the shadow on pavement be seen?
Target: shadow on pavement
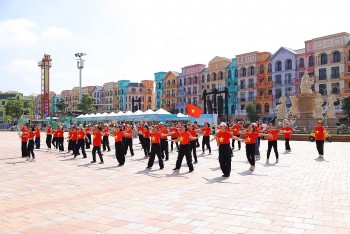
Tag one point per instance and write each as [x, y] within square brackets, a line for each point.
[218, 180]
[320, 160]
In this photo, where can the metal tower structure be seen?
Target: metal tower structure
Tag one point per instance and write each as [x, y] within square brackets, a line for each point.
[45, 65]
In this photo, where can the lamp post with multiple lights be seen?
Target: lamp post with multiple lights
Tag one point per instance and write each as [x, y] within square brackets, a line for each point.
[80, 65]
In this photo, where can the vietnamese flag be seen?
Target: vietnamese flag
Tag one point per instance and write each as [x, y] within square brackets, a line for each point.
[194, 111]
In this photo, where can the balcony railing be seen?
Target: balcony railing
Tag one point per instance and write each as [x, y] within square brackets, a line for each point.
[181, 94]
[250, 86]
[335, 91]
[346, 75]
[335, 75]
[346, 91]
[322, 77]
[242, 87]
[278, 83]
[262, 85]
[323, 92]
[242, 99]
[264, 98]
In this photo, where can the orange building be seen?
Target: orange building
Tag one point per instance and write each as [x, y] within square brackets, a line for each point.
[170, 91]
[346, 89]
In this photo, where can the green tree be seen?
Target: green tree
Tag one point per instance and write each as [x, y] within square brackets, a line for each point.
[13, 109]
[61, 105]
[252, 113]
[346, 106]
[85, 104]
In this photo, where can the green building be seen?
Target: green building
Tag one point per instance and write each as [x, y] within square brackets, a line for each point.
[26, 103]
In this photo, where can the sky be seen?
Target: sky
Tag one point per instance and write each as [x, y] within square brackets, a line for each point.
[133, 39]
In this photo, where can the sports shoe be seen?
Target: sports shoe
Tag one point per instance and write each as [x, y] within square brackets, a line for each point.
[252, 168]
[209, 154]
[33, 160]
[321, 156]
[93, 161]
[267, 161]
[148, 167]
[101, 163]
[175, 169]
[28, 159]
[203, 153]
[276, 160]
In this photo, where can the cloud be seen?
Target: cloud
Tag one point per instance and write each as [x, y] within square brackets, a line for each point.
[22, 66]
[56, 33]
[17, 32]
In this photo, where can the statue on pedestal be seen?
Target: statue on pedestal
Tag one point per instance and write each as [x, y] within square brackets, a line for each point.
[331, 109]
[305, 86]
[318, 110]
[294, 108]
[281, 108]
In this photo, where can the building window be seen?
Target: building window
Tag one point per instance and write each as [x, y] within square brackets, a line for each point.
[174, 83]
[262, 70]
[269, 68]
[278, 80]
[195, 101]
[278, 66]
[251, 96]
[336, 57]
[243, 71]
[322, 74]
[242, 97]
[311, 61]
[189, 80]
[195, 90]
[242, 84]
[208, 78]
[335, 72]
[236, 72]
[301, 74]
[221, 87]
[189, 100]
[180, 83]
[251, 71]
[189, 90]
[250, 83]
[288, 64]
[229, 76]
[221, 75]
[288, 91]
[324, 59]
[213, 86]
[301, 63]
[288, 79]
[214, 76]
[278, 93]
[203, 79]
[269, 78]
[322, 89]
[335, 88]
[267, 107]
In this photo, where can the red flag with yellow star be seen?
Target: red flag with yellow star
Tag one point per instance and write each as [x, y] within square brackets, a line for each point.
[194, 111]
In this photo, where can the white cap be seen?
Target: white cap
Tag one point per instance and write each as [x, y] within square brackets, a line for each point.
[223, 124]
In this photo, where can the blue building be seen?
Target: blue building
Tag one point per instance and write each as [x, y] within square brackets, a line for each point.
[159, 80]
[55, 99]
[232, 85]
[123, 88]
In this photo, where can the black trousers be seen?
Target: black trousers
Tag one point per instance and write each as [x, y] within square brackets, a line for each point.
[128, 144]
[250, 153]
[233, 142]
[88, 142]
[146, 146]
[55, 142]
[155, 150]
[206, 142]
[197, 142]
[141, 139]
[80, 145]
[164, 148]
[193, 150]
[48, 140]
[31, 148]
[61, 143]
[74, 146]
[320, 146]
[37, 142]
[105, 143]
[119, 152]
[172, 143]
[24, 149]
[269, 147]
[98, 150]
[70, 145]
[287, 144]
[184, 151]
[225, 159]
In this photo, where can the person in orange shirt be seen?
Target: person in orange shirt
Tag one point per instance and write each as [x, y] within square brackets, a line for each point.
[61, 139]
[69, 139]
[139, 131]
[74, 138]
[24, 140]
[55, 138]
[128, 140]
[236, 129]
[31, 135]
[88, 136]
[205, 140]
[146, 141]
[174, 133]
[119, 145]
[272, 134]
[96, 143]
[37, 137]
[164, 146]
[105, 140]
[48, 136]
[81, 142]
[195, 127]
[193, 150]
[319, 137]
[287, 131]
[155, 149]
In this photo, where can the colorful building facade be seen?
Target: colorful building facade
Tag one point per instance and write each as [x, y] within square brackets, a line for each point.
[170, 90]
[232, 85]
[159, 84]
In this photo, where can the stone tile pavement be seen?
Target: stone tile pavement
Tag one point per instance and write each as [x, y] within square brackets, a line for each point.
[58, 194]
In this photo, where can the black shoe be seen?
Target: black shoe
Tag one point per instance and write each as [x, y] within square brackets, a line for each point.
[75, 156]
[85, 157]
[195, 162]
[120, 165]
[161, 168]
[108, 150]
[239, 148]
[148, 167]
[101, 163]
[167, 159]
[176, 169]
[93, 161]
[225, 176]
[190, 171]
[132, 155]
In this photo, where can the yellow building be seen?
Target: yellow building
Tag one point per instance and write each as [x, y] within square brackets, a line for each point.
[170, 91]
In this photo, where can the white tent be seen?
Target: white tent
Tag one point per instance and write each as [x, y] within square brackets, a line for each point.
[161, 111]
[81, 116]
[138, 112]
[112, 114]
[149, 112]
[128, 113]
[120, 113]
[180, 115]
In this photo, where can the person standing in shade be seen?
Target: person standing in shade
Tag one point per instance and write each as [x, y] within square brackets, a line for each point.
[61, 139]
[119, 146]
[205, 140]
[81, 142]
[319, 137]
[174, 134]
[31, 135]
[155, 149]
[272, 135]
[128, 140]
[236, 129]
[164, 146]
[24, 140]
[287, 131]
[146, 141]
[96, 143]
[48, 136]
[37, 137]
[105, 140]
[184, 150]
[193, 150]
[88, 136]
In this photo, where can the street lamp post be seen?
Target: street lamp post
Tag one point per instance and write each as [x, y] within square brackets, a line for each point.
[80, 65]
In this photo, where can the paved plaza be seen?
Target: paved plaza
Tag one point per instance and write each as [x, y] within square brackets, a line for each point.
[58, 194]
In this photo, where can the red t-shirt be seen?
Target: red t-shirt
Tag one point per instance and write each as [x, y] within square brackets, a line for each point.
[139, 129]
[87, 130]
[146, 133]
[118, 136]
[129, 131]
[97, 138]
[31, 135]
[206, 131]
[184, 138]
[155, 137]
[250, 137]
[175, 134]
[48, 130]
[260, 128]
[236, 129]
[274, 134]
[60, 133]
[81, 135]
[74, 136]
[287, 135]
[319, 133]
[164, 131]
[37, 132]
[192, 133]
[105, 132]
[224, 137]
[25, 133]
[55, 133]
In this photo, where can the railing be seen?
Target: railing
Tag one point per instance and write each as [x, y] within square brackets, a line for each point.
[335, 76]
[181, 94]
[242, 99]
[261, 85]
[250, 86]
[346, 91]
[346, 75]
[322, 77]
[264, 98]
[335, 92]
[242, 87]
[323, 92]
[278, 83]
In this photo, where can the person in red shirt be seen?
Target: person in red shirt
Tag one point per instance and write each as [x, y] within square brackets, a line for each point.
[184, 150]
[139, 131]
[319, 137]
[74, 138]
[119, 145]
[24, 140]
[272, 134]
[155, 149]
[88, 136]
[69, 139]
[96, 143]
[31, 135]
[164, 146]
[37, 137]
[81, 142]
[146, 141]
[174, 134]
[128, 140]
[55, 138]
[223, 138]
[48, 136]
[287, 131]
[191, 130]
[195, 126]
[61, 139]
[205, 140]
[236, 129]
[105, 140]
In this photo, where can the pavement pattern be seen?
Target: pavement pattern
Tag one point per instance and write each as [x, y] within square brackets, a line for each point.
[59, 194]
